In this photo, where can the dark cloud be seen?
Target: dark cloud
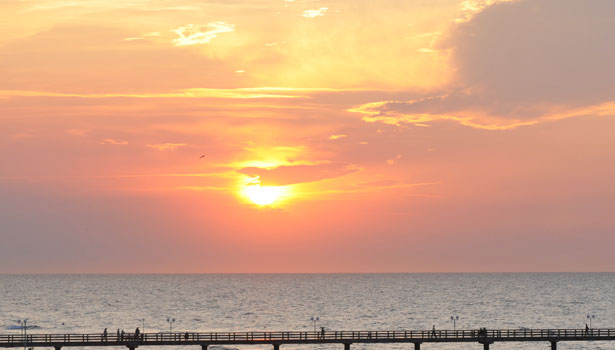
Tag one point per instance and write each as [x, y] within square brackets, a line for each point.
[288, 175]
[516, 62]
[546, 51]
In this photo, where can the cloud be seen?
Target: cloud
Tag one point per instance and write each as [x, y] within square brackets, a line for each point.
[77, 132]
[294, 174]
[379, 183]
[113, 142]
[315, 13]
[239, 93]
[335, 137]
[167, 146]
[519, 63]
[201, 34]
[84, 65]
[469, 8]
[142, 37]
[394, 160]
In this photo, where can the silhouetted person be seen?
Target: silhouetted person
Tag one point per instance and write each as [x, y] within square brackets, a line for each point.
[118, 334]
[433, 331]
[137, 333]
[322, 332]
[186, 336]
[586, 329]
[105, 334]
[122, 335]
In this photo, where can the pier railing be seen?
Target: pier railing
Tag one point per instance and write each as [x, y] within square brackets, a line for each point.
[10, 340]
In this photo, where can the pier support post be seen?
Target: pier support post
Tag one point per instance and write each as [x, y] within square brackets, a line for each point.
[57, 347]
[346, 346]
[417, 346]
[276, 346]
[553, 345]
[486, 346]
[204, 346]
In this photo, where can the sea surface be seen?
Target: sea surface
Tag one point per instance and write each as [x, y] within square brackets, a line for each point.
[287, 302]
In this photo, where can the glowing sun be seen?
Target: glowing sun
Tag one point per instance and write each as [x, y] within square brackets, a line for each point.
[262, 195]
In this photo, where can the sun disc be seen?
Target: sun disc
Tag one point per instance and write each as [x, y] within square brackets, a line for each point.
[262, 195]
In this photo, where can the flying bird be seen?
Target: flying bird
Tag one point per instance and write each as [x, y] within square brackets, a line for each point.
[202, 156]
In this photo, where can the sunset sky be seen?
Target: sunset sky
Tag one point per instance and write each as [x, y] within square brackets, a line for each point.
[337, 135]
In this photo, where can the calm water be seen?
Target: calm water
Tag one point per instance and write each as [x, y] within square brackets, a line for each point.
[89, 303]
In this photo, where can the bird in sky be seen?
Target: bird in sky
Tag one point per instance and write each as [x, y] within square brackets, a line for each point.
[202, 156]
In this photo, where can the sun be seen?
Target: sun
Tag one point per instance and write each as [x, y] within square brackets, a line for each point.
[262, 195]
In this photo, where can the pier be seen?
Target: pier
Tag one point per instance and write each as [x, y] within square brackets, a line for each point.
[277, 339]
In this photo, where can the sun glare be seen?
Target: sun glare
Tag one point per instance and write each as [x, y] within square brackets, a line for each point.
[264, 195]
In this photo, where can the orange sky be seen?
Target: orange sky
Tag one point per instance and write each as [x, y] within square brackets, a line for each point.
[338, 136]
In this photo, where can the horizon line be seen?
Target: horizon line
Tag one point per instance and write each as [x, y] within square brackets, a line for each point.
[294, 273]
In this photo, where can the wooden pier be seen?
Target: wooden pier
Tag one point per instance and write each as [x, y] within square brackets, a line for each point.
[276, 339]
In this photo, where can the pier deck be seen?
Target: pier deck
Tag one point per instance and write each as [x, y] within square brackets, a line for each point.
[277, 339]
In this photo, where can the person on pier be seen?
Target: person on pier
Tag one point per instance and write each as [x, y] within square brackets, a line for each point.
[433, 331]
[105, 334]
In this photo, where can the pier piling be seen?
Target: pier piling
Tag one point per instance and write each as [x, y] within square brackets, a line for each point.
[553, 345]
[417, 346]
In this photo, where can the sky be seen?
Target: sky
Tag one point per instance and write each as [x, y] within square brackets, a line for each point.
[291, 136]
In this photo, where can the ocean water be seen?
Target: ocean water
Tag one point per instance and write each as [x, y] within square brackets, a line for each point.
[286, 302]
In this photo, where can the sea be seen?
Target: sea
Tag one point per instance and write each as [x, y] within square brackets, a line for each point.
[302, 302]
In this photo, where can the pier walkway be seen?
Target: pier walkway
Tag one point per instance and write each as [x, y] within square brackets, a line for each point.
[276, 339]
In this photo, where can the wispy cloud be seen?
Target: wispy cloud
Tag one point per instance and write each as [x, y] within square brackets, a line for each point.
[315, 13]
[113, 142]
[142, 37]
[433, 38]
[335, 137]
[167, 146]
[394, 160]
[239, 93]
[275, 43]
[97, 5]
[400, 113]
[77, 132]
[294, 174]
[194, 34]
